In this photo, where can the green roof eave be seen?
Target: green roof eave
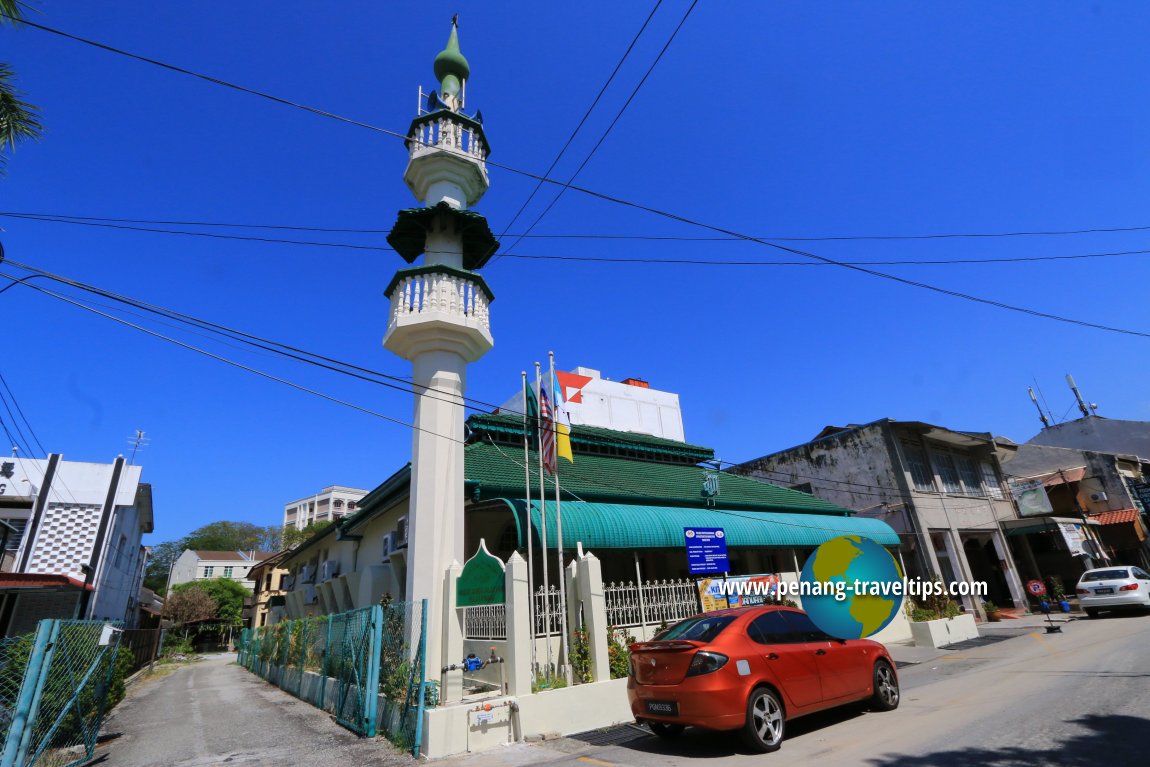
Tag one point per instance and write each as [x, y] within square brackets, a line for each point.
[379, 499]
[409, 235]
[633, 526]
[415, 271]
[502, 423]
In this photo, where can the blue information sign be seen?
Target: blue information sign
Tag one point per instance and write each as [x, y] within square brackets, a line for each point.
[706, 550]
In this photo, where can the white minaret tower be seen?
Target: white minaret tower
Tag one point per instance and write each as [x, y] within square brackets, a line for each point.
[439, 320]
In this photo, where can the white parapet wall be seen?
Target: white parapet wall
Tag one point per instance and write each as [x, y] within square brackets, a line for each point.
[479, 725]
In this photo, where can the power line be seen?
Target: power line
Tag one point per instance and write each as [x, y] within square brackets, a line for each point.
[233, 363]
[20, 410]
[614, 121]
[589, 259]
[575, 132]
[611, 198]
[292, 352]
[657, 238]
[210, 235]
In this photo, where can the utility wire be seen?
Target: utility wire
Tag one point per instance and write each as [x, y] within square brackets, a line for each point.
[524, 235]
[610, 127]
[292, 352]
[607, 197]
[575, 132]
[239, 365]
[589, 259]
[20, 410]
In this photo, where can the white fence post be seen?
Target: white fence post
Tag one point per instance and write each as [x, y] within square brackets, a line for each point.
[519, 634]
[594, 615]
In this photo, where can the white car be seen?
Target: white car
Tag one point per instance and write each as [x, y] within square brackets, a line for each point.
[1113, 588]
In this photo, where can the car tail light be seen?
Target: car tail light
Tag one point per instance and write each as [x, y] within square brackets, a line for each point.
[1129, 587]
[1082, 591]
[706, 662]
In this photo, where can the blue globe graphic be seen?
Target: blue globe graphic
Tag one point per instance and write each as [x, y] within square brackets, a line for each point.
[841, 562]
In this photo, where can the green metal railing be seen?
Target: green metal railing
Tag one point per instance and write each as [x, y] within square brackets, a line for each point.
[349, 664]
[54, 688]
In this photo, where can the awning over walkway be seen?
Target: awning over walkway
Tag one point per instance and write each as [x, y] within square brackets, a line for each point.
[1038, 524]
[627, 526]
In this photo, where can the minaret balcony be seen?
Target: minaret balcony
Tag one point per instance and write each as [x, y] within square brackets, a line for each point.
[439, 308]
[447, 147]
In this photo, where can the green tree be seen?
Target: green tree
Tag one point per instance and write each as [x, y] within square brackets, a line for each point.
[214, 536]
[292, 536]
[188, 605]
[226, 595]
[19, 120]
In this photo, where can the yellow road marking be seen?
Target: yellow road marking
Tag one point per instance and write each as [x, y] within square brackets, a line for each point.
[597, 762]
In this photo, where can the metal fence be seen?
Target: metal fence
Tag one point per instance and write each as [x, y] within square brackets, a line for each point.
[357, 665]
[55, 685]
[144, 644]
[650, 603]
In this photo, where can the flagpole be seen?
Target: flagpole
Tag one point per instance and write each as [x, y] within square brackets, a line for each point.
[565, 643]
[527, 525]
[543, 525]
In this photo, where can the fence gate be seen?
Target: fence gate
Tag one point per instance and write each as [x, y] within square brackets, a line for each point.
[356, 638]
[66, 671]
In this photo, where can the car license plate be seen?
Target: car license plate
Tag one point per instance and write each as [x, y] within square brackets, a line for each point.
[1103, 591]
[663, 707]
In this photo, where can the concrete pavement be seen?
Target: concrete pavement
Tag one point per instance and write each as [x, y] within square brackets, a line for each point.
[215, 713]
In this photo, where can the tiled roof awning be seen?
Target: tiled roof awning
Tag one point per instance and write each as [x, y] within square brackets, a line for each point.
[625, 526]
[1119, 517]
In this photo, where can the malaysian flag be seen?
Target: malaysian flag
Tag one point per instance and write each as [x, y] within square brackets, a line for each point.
[546, 433]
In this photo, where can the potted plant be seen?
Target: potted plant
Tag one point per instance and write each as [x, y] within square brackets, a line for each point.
[938, 621]
[992, 612]
[1058, 593]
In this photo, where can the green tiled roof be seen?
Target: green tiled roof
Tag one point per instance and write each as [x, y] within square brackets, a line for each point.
[496, 471]
[629, 526]
[597, 438]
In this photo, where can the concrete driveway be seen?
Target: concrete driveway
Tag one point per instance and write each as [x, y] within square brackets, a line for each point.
[215, 713]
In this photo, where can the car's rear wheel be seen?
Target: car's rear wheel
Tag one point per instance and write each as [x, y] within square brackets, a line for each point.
[1091, 612]
[886, 692]
[763, 731]
[666, 731]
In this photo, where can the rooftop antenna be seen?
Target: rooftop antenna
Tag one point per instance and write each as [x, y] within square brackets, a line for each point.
[137, 442]
[1077, 395]
[1034, 399]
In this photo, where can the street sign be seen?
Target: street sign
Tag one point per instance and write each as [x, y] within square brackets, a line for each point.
[706, 550]
[1036, 588]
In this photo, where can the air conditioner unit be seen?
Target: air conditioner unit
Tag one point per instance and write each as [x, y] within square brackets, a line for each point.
[307, 574]
[388, 546]
[310, 595]
[401, 533]
[329, 570]
[1098, 497]
[287, 583]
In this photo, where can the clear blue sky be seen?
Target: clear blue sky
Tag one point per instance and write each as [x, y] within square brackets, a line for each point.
[775, 119]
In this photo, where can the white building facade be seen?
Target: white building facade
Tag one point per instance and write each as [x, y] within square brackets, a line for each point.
[73, 546]
[328, 505]
[205, 565]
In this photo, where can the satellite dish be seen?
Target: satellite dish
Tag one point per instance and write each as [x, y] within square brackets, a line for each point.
[432, 102]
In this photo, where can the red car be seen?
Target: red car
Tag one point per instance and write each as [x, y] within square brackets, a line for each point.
[753, 669]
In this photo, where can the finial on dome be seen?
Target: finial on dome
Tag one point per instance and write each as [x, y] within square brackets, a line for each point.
[451, 67]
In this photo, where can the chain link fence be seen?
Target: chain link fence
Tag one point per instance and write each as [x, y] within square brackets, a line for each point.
[358, 665]
[55, 686]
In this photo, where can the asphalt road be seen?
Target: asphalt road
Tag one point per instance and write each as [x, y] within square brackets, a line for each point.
[215, 713]
[1076, 699]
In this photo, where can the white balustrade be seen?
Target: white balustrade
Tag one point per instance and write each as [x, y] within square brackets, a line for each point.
[449, 135]
[663, 602]
[449, 294]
